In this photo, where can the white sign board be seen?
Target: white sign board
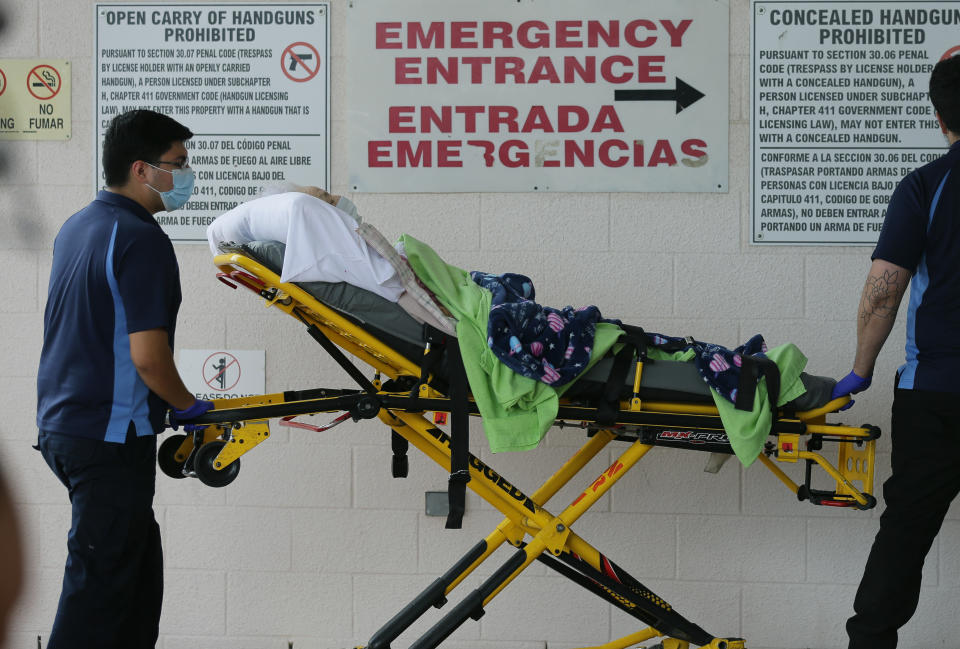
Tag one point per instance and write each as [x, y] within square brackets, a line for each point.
[35, 99]
[516, 95]
[218, 374]
[250, 80]
[840, 112]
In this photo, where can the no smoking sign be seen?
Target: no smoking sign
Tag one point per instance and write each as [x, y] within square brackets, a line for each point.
[222, 374]
[43, 82]
[35, 99]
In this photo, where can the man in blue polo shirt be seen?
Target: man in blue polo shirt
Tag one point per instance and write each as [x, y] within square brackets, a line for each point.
[920, 240]
[106, 378]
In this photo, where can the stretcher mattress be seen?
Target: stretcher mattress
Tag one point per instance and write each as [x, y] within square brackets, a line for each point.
[661, 380]
[361, 306]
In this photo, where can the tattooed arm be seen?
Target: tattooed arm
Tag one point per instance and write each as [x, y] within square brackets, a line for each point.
[886, 283]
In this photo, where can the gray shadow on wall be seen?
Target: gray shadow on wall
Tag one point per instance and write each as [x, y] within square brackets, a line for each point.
[23, 224]
[5, 161]
[4, 150]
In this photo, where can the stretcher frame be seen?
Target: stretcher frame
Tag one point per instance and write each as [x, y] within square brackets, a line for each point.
[235, 426]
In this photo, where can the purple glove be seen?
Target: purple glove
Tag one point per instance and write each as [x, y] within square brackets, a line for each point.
[852, 383]
[197, 408]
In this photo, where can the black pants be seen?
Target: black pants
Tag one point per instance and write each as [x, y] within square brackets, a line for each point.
[925, 479]
[113, 580]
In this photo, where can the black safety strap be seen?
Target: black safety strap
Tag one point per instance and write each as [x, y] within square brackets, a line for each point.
[400, 465]
[670, 346]
[634, 346]
[459, 392]
[437, 342]
[459, 436]
[751, 369]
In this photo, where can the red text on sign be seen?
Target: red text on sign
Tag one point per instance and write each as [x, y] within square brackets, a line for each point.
[515, 153]
[530, 34]
[501, 119]
[513, 69]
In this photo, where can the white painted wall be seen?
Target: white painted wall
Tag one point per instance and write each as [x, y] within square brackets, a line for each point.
[316, 545]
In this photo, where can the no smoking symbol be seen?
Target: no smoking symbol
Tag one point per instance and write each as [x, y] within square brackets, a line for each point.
[43, 82]
[221, 371]
[3, 82]
[300, 62]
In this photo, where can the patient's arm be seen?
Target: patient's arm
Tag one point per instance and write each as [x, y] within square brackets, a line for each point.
[886, 283]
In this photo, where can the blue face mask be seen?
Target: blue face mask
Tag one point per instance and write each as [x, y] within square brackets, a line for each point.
[177, 197]
[346, 205]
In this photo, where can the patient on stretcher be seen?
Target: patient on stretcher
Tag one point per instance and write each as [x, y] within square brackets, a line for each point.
[325, 241]
[322, 240]
[514, 376]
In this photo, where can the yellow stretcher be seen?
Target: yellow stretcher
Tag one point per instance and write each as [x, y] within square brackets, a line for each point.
[235, 426]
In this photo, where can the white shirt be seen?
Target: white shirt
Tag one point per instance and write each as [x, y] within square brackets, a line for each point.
[322, 241]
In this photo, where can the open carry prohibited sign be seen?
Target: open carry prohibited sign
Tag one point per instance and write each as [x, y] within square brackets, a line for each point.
[251, 80]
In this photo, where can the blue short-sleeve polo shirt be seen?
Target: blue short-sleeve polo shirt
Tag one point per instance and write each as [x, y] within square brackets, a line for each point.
[114, 273]
[921, 232]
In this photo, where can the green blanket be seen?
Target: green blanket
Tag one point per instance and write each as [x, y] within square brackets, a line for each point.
[747, 430]
[517, 412]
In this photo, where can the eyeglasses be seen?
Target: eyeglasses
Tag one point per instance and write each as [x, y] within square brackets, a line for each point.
[174, 163]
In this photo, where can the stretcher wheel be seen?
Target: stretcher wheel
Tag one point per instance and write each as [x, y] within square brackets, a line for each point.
[206, 471]
[871, 502]
[166, 456]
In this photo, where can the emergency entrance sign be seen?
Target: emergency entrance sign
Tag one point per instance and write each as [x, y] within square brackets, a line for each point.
[250, 80]
[222, 374]
[620, 95]
[34, 99]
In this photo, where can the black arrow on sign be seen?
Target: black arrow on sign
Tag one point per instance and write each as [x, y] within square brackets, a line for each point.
[685, 95]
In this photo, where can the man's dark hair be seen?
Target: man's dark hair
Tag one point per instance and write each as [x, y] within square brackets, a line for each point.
[138, 135]
[945, 92]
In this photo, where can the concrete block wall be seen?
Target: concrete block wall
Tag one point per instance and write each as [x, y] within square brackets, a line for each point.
[315, 545]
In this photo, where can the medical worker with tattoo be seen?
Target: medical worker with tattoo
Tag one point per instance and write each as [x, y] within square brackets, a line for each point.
[106, 379]
[919, 244]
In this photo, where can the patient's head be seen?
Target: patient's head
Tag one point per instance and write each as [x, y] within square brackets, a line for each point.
[340, 202]
[283, 188]
[322, 194]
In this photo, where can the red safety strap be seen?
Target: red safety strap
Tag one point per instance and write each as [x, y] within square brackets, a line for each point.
[290, 423]
[242, 277]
